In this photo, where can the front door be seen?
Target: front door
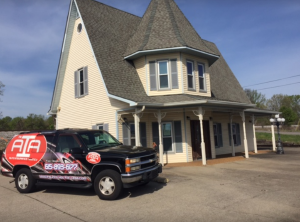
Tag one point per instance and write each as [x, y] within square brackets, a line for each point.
[196, 139]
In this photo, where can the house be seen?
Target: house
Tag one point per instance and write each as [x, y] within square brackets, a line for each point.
[150, 81]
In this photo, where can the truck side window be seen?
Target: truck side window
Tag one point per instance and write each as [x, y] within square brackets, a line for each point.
[50, 137]
[66, 142]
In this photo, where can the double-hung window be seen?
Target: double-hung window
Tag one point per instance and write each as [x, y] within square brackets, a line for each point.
[163, 74]
[81, 82]
[167, 136]
[218, 135]
[235, 134]
[201, 74]
[190, 74]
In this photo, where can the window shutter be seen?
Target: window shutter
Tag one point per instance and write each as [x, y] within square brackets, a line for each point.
[76, 83]
[178, 136]
[143, 135]
[125, 134]
[85, 79]
[155, 134]
[238, 136]
[220, 138]
[105, 127]
[229, 133]
[153, 84]
[94, 127]
[174, 74]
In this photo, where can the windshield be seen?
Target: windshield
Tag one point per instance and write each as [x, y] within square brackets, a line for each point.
[98, 139]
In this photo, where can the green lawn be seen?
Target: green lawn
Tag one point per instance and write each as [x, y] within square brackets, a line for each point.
[284, 138]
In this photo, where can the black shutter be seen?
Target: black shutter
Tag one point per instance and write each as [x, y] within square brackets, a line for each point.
[174, 74]
[155, 134]
[219, 133]
[85, 80]
[229, 133]
[125, 134]
[238, 136]
[143, 135]
[76, 83]
[178, 136]
[152, 68]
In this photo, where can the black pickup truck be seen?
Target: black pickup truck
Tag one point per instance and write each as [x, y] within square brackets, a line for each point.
[78, 158]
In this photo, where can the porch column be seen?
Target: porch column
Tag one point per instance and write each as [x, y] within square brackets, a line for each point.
[254, 136]
[137, 128]
[245, 135]
[200, 115]
[161, 145]
[273, 138]
[232, 141]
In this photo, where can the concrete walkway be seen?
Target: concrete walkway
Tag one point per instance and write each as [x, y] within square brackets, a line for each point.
[218, 160]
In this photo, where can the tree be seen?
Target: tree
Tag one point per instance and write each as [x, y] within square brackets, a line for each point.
[295, 104]
[1, 94]
[50, 123]
[17, 123]
[34, 122]
[5, 123]
[277, 101]
[289, 115]
[256, 98]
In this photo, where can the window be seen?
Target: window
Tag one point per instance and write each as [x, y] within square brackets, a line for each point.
[66, 143]
[79, 27]
[167, 136]
[235, 134]
[201, 77]
[132, 134]
[163, 74]
[218, 135]
[81, 82]
[190, 74]
[100, 126]
[129, 134]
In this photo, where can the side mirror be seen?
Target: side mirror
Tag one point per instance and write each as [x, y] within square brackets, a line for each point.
[76, 151]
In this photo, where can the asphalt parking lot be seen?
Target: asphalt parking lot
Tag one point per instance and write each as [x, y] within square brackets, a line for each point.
[265, 187]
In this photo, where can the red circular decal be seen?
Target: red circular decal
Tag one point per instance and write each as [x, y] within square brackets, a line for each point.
[26, 149]
[93, 158]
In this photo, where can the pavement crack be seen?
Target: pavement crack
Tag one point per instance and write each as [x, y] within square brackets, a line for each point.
[45, 204]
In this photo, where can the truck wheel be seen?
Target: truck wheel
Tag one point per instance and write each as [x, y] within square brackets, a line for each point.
[108, 185]
[25, 183]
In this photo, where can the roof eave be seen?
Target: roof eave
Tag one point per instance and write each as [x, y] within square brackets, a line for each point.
[184, 49]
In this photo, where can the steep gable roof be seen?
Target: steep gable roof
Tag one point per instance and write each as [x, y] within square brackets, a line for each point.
[165, 26]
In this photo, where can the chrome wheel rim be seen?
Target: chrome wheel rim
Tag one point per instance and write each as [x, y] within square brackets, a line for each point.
[107, 186]
[23, 181]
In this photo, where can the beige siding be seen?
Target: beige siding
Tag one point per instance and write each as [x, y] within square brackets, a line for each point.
[95, 108]
[167, 57]
[195, 60]
[141, 70]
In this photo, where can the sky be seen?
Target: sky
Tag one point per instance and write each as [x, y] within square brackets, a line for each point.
[260, 40]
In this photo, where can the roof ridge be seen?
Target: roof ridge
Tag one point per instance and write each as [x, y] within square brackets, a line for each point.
[115, 8]
[148, 30]
[174, 23]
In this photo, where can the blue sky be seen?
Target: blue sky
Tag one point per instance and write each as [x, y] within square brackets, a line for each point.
[260, 41]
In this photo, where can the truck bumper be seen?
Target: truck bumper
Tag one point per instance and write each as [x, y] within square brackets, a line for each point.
[136, 178]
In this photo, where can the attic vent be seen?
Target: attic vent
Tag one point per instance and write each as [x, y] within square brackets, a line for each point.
[79, 27]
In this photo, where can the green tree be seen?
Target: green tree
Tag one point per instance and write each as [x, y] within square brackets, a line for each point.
[17, 123]
[295, 104]
[277, 101]
[289, 115]
[50, 123]
[5, 123]
[256, 98]
[34, 122]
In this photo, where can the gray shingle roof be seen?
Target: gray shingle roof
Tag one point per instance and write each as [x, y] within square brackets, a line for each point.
[164, 26]
[110, 30]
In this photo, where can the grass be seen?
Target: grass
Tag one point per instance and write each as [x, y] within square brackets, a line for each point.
[284, 138]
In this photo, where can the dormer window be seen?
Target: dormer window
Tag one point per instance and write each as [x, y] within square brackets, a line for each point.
[202, 85]
[190, 74]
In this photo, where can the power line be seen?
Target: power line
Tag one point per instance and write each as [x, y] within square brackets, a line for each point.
[279, 86]
[272, 81]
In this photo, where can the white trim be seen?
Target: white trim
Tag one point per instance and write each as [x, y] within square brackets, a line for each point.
[181, 66]
[165, 49]
[159, 75]
[171, 136]
[193, 75]
[131, 103]
[204, 77]
[146, 72]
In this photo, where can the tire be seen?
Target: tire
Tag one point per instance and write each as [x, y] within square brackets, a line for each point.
[24, 181]
[108, 185]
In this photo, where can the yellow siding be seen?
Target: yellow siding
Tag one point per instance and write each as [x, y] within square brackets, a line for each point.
[95, 108]
[141, 70]
[195, 59]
